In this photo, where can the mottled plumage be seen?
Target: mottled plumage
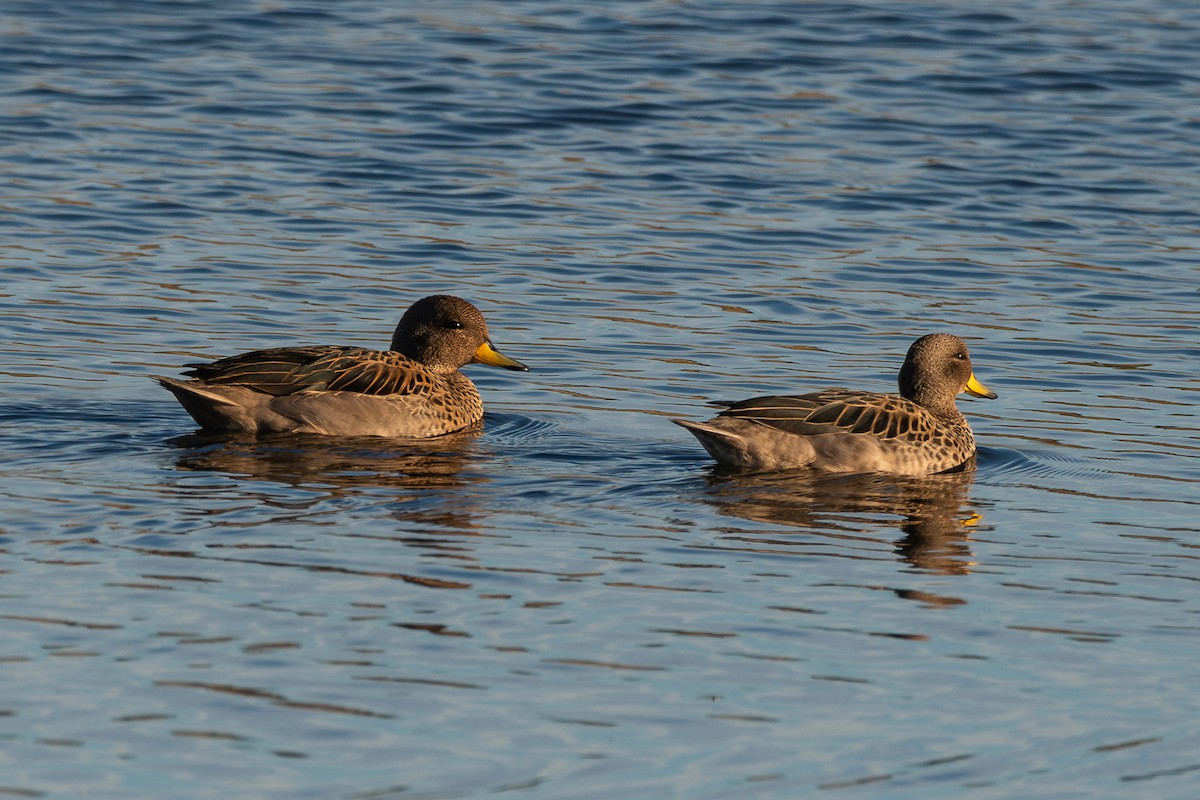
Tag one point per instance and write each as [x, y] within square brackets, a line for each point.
[919, 431]
[414, 389]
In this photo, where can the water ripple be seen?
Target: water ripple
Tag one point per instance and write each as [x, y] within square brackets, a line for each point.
[655, 204]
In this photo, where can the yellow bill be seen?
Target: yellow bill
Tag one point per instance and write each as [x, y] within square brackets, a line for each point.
[486, 354]
[976, 389]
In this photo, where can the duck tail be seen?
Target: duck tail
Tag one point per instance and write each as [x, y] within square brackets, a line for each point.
[211, 409]
[190, 391]
[725, 446]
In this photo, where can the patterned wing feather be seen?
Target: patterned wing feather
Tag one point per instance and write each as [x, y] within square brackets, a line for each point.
[884, 416]
[287, 370]
[377, 373]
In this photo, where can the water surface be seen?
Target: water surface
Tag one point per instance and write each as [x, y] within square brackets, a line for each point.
[655, 204]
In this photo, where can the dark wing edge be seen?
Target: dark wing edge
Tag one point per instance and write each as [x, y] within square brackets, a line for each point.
[883, 416]
[287, 370]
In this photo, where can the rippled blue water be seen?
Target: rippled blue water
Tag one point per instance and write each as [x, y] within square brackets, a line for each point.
[655, 204]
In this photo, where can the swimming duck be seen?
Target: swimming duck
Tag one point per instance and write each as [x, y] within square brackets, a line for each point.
[919, 431]
[413, 389]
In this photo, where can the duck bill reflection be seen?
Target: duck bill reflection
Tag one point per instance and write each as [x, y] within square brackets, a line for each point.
[486, 354]
[977, 389]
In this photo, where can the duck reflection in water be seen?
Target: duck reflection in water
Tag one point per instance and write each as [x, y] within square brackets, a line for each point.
[423, 482]
[845, 511]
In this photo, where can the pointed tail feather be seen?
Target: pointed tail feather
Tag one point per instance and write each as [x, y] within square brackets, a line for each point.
[219, 409]
[186, 391]
[724, 446]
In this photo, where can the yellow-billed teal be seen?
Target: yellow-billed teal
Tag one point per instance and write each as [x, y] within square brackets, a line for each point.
[414, 389]
[919, 431]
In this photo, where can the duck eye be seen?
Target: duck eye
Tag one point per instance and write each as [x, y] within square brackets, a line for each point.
[454, 325]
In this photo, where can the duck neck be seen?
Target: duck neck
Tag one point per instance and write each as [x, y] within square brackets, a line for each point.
[930, 398]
